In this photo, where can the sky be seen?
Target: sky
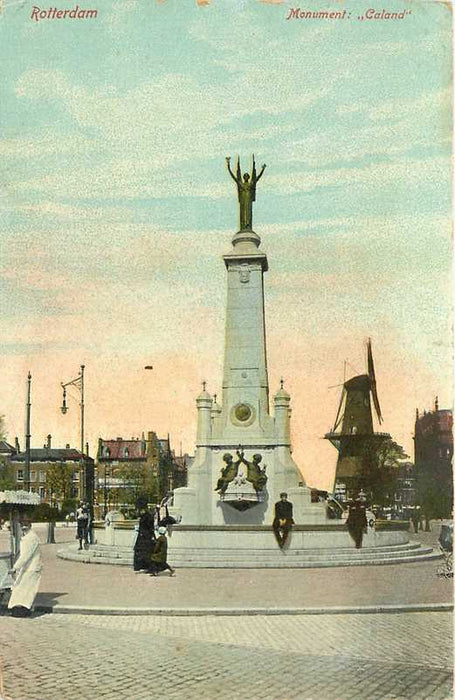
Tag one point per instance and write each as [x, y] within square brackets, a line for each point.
[116, 208]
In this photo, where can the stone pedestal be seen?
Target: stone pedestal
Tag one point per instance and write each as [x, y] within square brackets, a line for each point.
[241, 431]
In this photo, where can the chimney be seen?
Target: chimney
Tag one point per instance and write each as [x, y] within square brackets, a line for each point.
[67, 447]
[49, 440]
[16, 443]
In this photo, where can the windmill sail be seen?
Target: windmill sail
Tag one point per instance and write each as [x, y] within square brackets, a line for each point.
[339, 416]
[373, 388]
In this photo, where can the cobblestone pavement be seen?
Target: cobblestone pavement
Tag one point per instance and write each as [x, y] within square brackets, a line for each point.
[324, 657]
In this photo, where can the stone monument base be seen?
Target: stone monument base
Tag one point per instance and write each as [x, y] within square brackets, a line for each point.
[254, 546]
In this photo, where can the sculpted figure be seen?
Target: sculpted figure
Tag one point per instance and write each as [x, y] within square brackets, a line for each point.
[256, 475]
[246, 189]
[228, 473]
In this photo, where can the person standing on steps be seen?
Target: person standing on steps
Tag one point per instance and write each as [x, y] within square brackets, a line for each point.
[159, 556]
[283, 520]
[357, 521]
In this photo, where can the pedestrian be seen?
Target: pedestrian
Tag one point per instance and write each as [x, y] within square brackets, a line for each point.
[27, 572]
[159, 556]
[283, 520]
[82, 525]
[416, 519]
[90, 522]
[145, 541]
[357, 521]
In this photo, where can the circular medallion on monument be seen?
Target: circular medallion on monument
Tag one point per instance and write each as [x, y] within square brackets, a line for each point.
[242, 414]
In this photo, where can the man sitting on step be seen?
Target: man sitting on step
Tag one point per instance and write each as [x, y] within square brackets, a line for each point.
[283, 520]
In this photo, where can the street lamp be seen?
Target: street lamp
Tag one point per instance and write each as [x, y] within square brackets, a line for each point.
[28, 435]
[78, 382]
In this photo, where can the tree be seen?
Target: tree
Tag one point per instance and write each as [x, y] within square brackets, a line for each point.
[381, 460]
[435, 491]
[7, 481]
[59, 480]
[135, 481]
[3, 433]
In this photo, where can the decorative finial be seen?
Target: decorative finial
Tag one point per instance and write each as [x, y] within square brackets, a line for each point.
[214, 398]
[281, 382]
[204, 384]
[436, 404]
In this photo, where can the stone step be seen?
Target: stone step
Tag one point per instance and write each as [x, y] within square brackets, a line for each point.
[273, 549]
[280, 561]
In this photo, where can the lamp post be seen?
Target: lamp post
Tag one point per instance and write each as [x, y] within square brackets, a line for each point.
[28, 435]
[78, 382]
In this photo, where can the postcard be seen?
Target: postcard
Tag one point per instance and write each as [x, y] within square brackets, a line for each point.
[226, 339]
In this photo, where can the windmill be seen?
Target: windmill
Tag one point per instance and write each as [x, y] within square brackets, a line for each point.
[353, 426]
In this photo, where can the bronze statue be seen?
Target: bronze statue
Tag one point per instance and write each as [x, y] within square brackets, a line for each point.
[228, 473]
[255, 475]
[247, 192]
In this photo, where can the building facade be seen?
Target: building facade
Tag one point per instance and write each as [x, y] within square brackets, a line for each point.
[433, 446]
[127, 469]
[56, 474]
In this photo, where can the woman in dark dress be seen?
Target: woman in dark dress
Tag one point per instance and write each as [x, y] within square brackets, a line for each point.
[145, 542]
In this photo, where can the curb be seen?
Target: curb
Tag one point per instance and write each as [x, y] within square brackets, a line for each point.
[199, 612]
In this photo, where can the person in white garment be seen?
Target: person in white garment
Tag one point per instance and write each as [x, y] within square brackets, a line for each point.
[27, 572]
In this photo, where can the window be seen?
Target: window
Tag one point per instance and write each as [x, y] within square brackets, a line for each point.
[42, 475]
[126, 452]
[75, 476]
[106, 452]
[32, 476]
[20, 475]
[42, 492]
[33, 490]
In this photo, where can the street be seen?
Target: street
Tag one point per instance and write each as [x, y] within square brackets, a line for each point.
[309, 657]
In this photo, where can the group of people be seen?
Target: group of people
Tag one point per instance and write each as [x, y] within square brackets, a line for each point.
[150, 550]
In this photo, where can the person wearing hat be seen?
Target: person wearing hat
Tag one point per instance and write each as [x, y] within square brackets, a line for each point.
[283, 520]
[27, 572]
[356, 522]
[82, 524]
[145, 541]
[159, 556]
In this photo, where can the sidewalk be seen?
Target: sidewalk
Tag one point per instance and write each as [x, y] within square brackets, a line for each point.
[68, 586]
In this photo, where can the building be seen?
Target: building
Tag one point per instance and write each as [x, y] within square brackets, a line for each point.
[433, 452]
[7, 450]
[405, 496]
[127, 469]
[56, 474]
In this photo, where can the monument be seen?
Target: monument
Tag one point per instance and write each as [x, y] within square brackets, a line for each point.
[243, 455]
[243, 461]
